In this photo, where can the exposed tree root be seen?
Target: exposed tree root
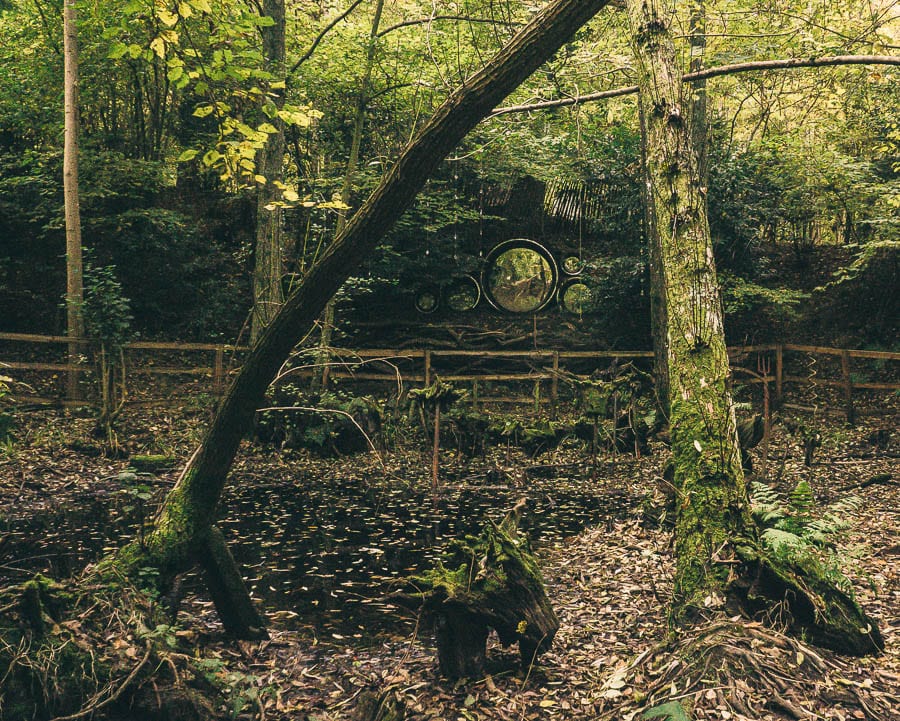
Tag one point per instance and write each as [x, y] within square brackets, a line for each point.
[812, 604]
[744, 669]
[92, 648]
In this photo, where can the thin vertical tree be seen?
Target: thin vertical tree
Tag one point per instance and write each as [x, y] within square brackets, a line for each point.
[267, 271]
[74, 269]
[359, 120]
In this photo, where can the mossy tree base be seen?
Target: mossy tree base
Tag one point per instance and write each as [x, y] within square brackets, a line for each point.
[489, 582]
[815, 608]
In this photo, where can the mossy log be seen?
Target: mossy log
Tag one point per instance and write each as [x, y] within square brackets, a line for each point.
[489, 582]
[152, 463]
[811, 603]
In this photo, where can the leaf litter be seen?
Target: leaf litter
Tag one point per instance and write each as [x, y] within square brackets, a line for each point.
[323, 562]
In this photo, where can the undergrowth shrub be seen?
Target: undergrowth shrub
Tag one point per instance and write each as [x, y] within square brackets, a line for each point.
[333, 422]
[794, 532]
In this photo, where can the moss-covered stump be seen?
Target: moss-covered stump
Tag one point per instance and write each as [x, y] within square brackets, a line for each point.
[489, 582]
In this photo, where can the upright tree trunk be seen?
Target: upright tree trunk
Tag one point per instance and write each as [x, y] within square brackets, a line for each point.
[359, 120]
[267, 293]
[718, 553]
[713, 508]
[658, 323]
[74, 271]
[182, 528]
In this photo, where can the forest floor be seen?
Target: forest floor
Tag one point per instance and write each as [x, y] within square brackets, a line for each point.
[324, 539]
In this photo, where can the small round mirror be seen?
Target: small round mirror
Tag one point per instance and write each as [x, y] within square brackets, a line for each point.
[572, 265]
[520, 276]
[427, 301]
[463, 294]
[576, 297]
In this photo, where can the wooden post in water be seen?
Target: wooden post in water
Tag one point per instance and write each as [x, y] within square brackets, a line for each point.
[554, 385]
[219, 370]
[779, 375]
[848, 387]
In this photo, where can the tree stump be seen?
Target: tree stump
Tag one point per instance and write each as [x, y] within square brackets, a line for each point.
[489, 582]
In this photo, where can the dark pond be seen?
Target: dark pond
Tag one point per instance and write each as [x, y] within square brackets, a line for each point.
[327, 547]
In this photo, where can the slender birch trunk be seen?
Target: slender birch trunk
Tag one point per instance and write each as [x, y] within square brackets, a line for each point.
[74, 270]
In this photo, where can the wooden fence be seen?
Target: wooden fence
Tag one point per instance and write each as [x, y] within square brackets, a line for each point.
[419, 366]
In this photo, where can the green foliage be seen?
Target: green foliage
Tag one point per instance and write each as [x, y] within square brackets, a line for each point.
[439, 393]
[332, 422]
[670, 711]
[868, 282]
[241, 691]
[625, 395]
[107, 312]
[793, 531]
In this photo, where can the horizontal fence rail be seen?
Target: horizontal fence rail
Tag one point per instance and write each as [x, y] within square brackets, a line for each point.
[419, 366]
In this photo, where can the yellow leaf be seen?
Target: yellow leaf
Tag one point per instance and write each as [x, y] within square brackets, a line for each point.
[158, 45]
[291, 196]
[167, 18]
[185, 10]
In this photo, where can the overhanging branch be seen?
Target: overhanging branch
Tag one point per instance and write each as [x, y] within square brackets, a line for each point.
[752, 66]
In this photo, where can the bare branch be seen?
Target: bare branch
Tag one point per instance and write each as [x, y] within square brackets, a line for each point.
[752, 66]
[327, 29]
[460, 18]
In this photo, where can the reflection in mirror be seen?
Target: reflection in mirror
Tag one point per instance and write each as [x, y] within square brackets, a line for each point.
[573, 265]
[520, 276]
[427, 301]
[576, 297]
[463, 293]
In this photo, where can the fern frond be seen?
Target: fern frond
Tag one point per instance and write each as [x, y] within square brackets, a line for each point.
[782, 541]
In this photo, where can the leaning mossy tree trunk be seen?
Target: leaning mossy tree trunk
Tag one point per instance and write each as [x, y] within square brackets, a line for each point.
[489, 582]
[182, 532]
[719, 557]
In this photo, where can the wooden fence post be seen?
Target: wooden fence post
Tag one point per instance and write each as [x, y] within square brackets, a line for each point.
[779, 374]
[554, 385]
[848, 387]
[219, 370]
[427, 368]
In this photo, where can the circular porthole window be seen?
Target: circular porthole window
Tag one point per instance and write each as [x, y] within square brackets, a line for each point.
[520, 276]
[572, 265]
[576, 297]
[427, 301]
[463, 293]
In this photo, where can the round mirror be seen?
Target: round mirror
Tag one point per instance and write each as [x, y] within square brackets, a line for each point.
[427, 301]
[520, 276]
[463, 293]
[572, 265]
[576, 297]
